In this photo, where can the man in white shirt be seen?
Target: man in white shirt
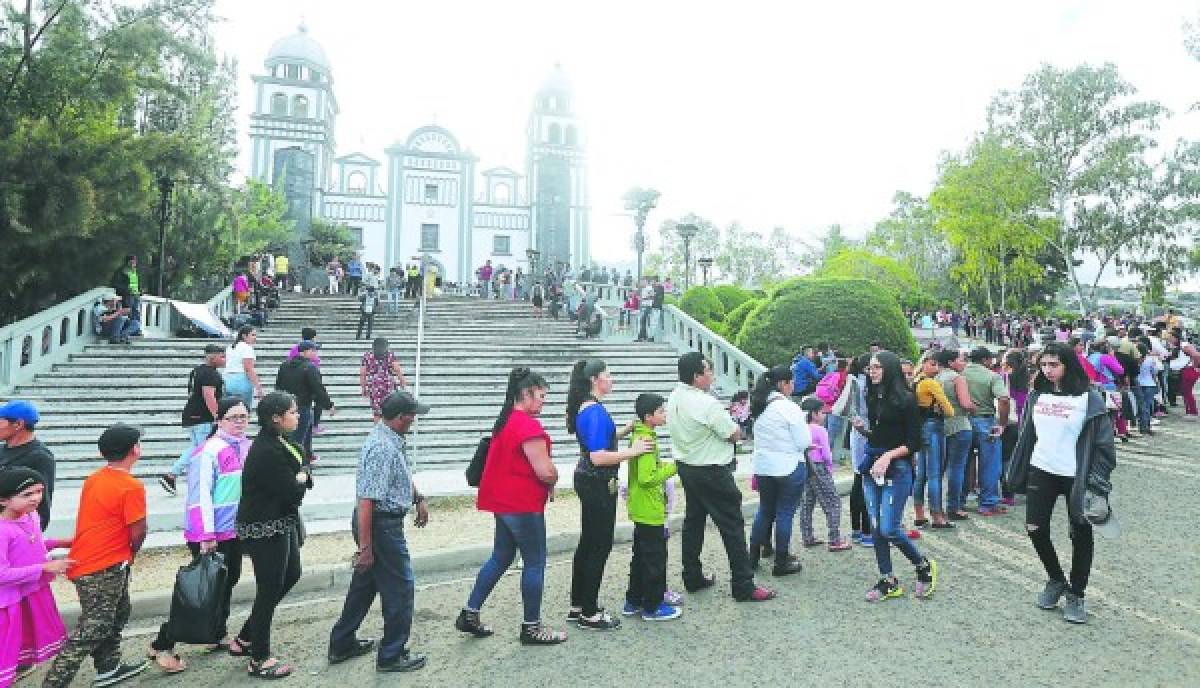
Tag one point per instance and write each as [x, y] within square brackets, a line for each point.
[702, 435]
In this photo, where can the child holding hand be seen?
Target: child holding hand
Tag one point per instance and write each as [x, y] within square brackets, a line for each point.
[648, 510]
[31, 630]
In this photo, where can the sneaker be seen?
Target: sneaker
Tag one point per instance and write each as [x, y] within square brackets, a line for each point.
[927, 576]
[786, 567]
[665, 612]
[673, 598]
[885, 589]
[759, 594]
[602, 621]
[122, 672]
[1008, 501]
[630, 609]
[1051, 594]
[573, 615]
[866, 541]
[168, 483]
[1075, 609]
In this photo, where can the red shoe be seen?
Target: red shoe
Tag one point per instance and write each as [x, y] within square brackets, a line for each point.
[760, 594]
[914, 534]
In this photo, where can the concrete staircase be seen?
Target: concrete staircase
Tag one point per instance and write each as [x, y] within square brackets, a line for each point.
[470, 345]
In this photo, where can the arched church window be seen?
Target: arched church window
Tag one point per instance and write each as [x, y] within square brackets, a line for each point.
[571, 137]
[356, 183]
[300, 106]
[279, 105]
[554, 134]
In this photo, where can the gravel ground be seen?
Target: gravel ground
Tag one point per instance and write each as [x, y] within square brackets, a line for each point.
[980, 629]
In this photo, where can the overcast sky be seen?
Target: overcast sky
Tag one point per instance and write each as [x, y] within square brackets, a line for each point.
[768, 113]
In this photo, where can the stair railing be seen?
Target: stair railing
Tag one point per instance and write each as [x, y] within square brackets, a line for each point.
[735, 369]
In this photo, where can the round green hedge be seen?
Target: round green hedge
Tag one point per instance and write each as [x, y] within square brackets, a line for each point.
[732, 296]
[736, 318]
[849, 314]
[898, 279]
[702, 304]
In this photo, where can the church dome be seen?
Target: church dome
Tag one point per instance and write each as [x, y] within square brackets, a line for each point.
[557, 82]
[298, 48]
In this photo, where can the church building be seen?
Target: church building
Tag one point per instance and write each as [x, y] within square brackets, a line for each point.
[431, 200]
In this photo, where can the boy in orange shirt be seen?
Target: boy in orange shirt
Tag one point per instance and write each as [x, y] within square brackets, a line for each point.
[109, 530]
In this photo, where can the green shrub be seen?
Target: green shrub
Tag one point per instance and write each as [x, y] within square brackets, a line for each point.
[737, 317]
[732, 296]
[716, 326]
[702, 304]
[849, 314]
[897, 278]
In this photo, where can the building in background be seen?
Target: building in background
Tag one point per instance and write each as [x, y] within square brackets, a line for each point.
[431, 201]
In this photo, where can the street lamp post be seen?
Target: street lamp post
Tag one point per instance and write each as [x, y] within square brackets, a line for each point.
[687, 232]
[640, 202]
[165, 186]
[705, 264]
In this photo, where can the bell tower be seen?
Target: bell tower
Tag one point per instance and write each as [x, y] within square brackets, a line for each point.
[557, 175]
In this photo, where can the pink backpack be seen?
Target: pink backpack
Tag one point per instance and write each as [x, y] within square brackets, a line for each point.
[829, 388]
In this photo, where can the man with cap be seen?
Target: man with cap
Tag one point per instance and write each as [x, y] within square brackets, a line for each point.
[109, 530]
[206, 386]
[302, 378]
[21, 449]
[385, 493]
[112, 320]
[990, 396]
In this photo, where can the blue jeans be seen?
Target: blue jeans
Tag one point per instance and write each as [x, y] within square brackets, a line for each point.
[929, 464]
[524, 532]
[885, 504]
[197, 434]
[391, 577]
[836, 425]
[302, 435]
[990, 455]
[1145, 404]
[238, 385]
[958, 447]
[778, 498]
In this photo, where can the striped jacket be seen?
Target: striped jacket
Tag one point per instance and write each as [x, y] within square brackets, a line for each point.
[215, 488]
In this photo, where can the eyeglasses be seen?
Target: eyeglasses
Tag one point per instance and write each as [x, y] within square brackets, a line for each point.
[237, 418]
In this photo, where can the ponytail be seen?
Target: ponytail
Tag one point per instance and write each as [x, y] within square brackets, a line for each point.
[579, 388]
[766, 384]
[519, 380]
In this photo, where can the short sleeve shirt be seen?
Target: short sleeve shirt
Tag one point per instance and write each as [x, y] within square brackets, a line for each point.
[700, 427]
[959, 421]
[195, 411]
[985, 387]
[509, 484]
[235, 355]
[111, 501]
[384, 472]
[596, 432]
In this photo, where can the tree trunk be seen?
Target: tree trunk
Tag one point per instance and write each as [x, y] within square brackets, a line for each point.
[1069, 257]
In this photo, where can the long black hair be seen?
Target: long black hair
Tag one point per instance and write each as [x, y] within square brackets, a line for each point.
[519, 380]
[766, 384]
[893, 387]
[243, 332]
[1018, 377]
[1074, 380]
[579, 388]
[273, 404]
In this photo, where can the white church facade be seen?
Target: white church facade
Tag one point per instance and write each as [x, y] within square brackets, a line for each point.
[426, 197]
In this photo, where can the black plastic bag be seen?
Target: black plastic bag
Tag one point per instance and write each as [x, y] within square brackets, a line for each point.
[474, 472]
[196, 602]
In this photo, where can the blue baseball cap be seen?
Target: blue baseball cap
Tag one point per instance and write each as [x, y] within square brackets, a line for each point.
[19, 409]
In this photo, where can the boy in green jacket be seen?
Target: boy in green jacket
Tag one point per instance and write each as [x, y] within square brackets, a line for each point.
[648, 511]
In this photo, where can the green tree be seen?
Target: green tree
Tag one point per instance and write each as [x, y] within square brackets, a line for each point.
[897, 279]
[668, 260]
[909, 234]
[330, 240]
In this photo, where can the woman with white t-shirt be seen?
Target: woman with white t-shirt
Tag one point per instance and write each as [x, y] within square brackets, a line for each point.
[1065, 447]
[241, 379]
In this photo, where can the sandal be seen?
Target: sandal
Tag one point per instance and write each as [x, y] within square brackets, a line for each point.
[238, 647]
[537, 634]
[839, 546]
[174, 664]
[268, 672]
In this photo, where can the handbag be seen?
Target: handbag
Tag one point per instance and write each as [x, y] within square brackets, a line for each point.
[196, 613]
[474, 471]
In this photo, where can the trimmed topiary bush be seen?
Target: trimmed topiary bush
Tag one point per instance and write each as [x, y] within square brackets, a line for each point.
[735, 319]
[732, 296]
[898, 279]
[702, 304]
[849, 314]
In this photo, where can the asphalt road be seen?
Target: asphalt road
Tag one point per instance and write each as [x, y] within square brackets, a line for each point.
[980, 629]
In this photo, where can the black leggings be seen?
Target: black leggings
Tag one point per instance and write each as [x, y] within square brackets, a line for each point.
[859, 520]
[598, 517]
[276, 562]
[1042, 491]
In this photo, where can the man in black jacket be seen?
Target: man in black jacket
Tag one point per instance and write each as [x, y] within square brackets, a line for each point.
[302, 378]
[17, 421]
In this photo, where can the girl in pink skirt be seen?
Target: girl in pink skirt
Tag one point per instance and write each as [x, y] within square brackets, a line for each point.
[31, 631]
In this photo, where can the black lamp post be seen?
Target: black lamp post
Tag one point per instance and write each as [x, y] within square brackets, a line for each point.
[705, 264]
[640, 202]
[687, 232]
[165, 186]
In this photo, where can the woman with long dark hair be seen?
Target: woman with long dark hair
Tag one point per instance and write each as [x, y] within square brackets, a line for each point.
[1065, 447]
[241, 378]
[893, 439]
[275, 479]
[1017, 376]
[518, 478]
[595, 482]
[781, 438]
[214, 491]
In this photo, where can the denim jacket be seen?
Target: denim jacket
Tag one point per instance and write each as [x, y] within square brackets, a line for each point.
[1095, 453]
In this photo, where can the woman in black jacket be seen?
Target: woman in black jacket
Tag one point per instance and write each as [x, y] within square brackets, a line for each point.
[893, 439]
[274, 481]
[1065, 447]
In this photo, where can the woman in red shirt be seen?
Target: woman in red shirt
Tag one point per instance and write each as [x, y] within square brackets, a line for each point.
[517, 480]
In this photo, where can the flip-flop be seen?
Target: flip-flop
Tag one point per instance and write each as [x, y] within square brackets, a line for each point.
[243, 648]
